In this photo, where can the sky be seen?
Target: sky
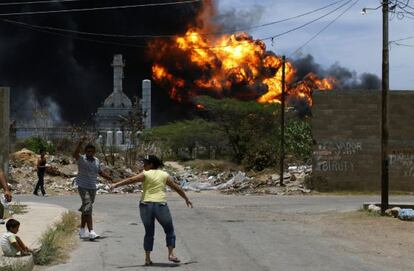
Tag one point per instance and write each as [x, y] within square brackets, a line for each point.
[72, 77]
[354, 40]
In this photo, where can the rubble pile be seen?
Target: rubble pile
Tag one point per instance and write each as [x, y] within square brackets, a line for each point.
[62, 170]
[60, 174]
[229, 182]
[24, 157]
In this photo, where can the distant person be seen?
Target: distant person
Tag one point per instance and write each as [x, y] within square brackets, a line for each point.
[41, 169]
[153, 204]
[7, 194]
[88, 170]
[10, 243]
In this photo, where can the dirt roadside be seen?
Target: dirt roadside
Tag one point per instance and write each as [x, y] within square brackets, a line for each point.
[371, 236]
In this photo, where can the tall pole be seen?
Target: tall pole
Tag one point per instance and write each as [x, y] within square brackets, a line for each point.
[282, 122]
[384, 121]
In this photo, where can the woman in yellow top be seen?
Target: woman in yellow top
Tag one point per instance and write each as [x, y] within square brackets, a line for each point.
[153, 204]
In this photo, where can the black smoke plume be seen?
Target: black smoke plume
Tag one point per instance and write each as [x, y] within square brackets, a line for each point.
[61, 69]
[347, 79]
[76, 74]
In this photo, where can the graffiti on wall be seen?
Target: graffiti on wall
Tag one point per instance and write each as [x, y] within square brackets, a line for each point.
[336, 156]
[403, 162]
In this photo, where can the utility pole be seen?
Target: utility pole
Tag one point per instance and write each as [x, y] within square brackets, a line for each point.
[282, 122]
[384, 117]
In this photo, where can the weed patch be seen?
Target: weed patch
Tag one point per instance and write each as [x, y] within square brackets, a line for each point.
[57, 241]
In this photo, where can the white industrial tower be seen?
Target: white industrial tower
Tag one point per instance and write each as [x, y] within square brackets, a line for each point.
[146, 102]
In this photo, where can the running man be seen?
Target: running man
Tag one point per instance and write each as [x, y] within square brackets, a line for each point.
[88, 170]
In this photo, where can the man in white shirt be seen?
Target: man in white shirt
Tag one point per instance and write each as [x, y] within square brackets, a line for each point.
[88, 170]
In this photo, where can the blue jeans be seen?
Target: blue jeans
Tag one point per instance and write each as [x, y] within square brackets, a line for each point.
[150, 211]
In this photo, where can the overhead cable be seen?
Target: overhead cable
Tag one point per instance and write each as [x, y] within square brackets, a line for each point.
[98, 8]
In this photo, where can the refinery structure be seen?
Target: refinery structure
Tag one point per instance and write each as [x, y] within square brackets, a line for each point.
[107, 121]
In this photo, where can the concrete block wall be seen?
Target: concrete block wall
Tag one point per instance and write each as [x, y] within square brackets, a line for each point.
[346, 132]
[4, 127]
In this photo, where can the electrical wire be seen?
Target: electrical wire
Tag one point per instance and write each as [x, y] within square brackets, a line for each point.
[28, 26]
[98, 8]
[290, 18]
[87, 39]
[37, 2]
[402, 39]
[117, 35]
[324, 28]
[405, 45]
[306, 24]
[402, 5]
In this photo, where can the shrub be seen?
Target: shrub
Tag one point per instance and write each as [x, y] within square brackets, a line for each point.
[35, 144]
[298, 139]
[186, 134]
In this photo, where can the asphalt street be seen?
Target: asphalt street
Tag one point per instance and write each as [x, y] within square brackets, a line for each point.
[222, 232]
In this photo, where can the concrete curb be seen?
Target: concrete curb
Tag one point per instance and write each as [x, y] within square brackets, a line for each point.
[34, 223]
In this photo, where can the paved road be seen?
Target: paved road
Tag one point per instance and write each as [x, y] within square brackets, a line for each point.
[220, 233]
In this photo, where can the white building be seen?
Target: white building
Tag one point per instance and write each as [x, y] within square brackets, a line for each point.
[117, 104]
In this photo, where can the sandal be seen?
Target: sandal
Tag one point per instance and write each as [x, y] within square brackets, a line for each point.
[174, 259]
[148, 263]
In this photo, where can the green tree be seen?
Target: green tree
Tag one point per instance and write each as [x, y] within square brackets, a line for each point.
[252, 129]
[185, 134]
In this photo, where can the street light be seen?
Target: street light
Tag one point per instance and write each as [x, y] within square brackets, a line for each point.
[364, 10]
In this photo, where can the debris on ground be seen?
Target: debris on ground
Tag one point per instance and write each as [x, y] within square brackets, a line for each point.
[393, 211]
[62, 170]
[374, 208]
[60, 174]
[406, 214]
[238, 182]
[24, 157]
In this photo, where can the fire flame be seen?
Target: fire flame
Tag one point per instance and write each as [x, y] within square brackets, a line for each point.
[233, 65]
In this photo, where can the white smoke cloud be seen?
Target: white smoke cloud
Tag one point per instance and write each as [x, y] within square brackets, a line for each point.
[30, 111]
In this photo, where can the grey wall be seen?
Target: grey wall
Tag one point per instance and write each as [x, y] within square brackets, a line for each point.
[346, 132]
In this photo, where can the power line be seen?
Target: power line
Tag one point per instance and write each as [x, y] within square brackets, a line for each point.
[36, 2]
[117, 35]
[98, 8]
[290, 18]
[402, 5]
[403, 15]
[28, 26]
[407, 38]
[308, 23]
[324, 28]
[405, 45]
[86, 39]
[113, 35]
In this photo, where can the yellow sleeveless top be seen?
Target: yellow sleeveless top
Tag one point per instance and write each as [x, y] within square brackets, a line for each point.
[154, 186]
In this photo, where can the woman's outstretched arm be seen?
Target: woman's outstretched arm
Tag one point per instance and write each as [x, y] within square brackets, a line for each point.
[176, 188]
[134, 179]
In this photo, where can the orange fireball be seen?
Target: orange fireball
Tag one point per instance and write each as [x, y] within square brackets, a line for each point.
[226, 66]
